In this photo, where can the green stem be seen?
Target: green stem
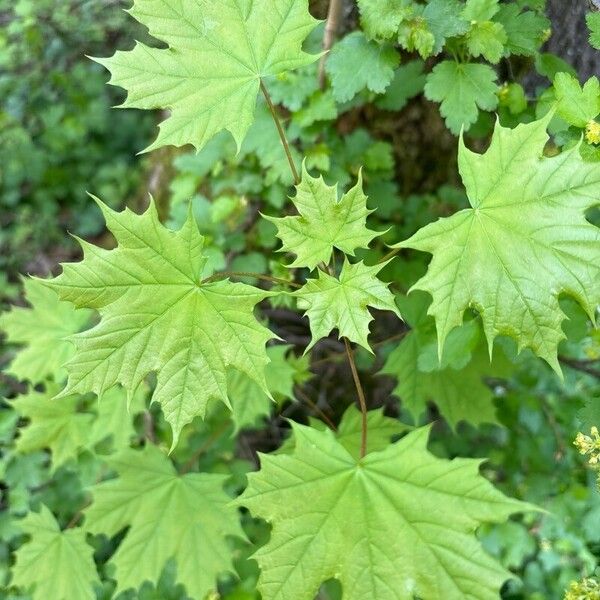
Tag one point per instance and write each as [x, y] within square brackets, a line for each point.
[282, 137]
[225, 274]
[361, 398]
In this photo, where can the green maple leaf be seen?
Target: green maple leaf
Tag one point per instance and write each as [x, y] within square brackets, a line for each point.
[342, 304]
[356, 63]
[381, 18]
[158, 315]
[249, 402]
[432, 506]
[487, 39]
[218, 53]
[462, 89]
[525, 31]
[43, 330]
[577, 105]
[324, 222]
[55, 424]
[497, 258]
[56, 564]
[593, 22]
[456, 385]
[185, 517]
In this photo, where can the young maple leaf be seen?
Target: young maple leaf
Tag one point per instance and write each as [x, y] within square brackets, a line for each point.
[210, 75]
[55, 564]
[185, 517]
[157, 315]
[324, 222]
[342, 303]
[524, 241]
[43, 330]
[332, 515]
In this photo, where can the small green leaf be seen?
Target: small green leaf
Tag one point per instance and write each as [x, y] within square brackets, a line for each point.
[444, 19]
[57, 565]
[356, 63]
[487, 39]
[409, 80]
[311, 496]
[342, 304]
[324, 222]
[480, 10]
[525, 31]
[185, 517]
[462, 89]
[381, 18]
[577, 105]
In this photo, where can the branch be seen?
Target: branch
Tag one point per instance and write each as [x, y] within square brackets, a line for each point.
[331, 27]
[361, 398]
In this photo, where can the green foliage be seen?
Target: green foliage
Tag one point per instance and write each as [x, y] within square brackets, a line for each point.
[43, 330]
[341, 304]
[169, 516]
[123, 445]
[593, 23]
[324, 222]
[308, 495]
[251, 42]
[156, 307]
[56, 564]
[474, 264]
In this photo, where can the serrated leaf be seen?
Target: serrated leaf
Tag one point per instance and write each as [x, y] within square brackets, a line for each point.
[43, 329]
[381, 18]
[55, 564]
[577, 105]
[209, 77]
[589, 415]
[55, 424]
[342, 303]
[480, 10]
[462, 89]
[185, 517]
[414, 34]
[409, 80]
[324, 222]
[495, 257]
[487, 39]
[356, 63]
[312, 495]
[158, 316]
[444, 19]
[593, 22]
[525, 31]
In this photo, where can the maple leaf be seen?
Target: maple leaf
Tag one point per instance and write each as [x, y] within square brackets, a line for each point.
[210, 75]
[495, 256]
[185, 517]
[43, 330]
[158, 315]
[342, 303]
[324, 222]
[56, 424]
[356, 63]
[56, 564]
[462, 89]
[311, 496]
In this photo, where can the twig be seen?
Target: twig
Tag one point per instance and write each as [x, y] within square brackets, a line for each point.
[331, 26]
[361, 398]
[580, 365]
[304, 397]
[281, 133]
